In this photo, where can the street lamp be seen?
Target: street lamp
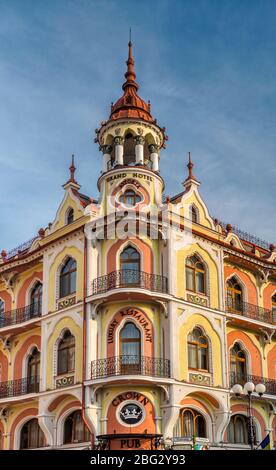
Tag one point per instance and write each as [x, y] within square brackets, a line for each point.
[247, 390]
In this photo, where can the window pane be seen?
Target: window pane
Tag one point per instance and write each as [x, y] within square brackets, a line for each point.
[202, 360]
[188, 425]
[71, 359]
[200, 426]
[73, 282]
[62, 361]
[189, 279]
[200, 283]
[192, 356]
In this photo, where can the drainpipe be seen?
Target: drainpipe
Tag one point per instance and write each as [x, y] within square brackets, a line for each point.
[84, 344]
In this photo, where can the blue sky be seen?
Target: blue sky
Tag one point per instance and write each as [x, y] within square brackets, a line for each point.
[208, 67]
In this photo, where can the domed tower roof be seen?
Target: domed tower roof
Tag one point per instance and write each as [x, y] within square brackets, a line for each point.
[130, 105]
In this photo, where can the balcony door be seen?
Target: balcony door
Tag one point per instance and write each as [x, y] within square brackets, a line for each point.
[33, 372]
[130, 266]
[238, 367]
[36, 300]
[234, 296]
[130, 349]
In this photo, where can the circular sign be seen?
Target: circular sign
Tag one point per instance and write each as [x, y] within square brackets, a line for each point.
[131, 413]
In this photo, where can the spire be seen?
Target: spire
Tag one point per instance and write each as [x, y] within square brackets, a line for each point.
[190, 167]
[130, 74]
[191, 178]
[72, 182]
[72, 169]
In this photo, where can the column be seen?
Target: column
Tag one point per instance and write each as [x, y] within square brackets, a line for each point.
[106, 149]
[139, 149]
[119, 150]
[154, 157]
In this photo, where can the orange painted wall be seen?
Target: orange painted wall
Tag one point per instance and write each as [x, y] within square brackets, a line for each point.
[33, 340]
[255, 353]
[26, 284]
[251, 288]
[148, 424]
[269, 291]
[28, 412]
[143, 247]
[4, 367]
[271, 363]
[4, 295]
[121, 316]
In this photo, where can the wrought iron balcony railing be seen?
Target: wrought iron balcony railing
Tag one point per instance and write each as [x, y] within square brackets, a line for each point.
[249, 311]
[130, 365]
[15, 388]
[20, 315]
[130, 278]
[270, 384]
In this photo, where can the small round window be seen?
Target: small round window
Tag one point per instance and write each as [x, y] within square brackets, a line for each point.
[130, 198]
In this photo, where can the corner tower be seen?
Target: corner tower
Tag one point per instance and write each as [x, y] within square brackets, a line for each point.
[131, 140]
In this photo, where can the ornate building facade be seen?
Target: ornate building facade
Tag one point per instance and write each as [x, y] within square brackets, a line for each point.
[127, 321]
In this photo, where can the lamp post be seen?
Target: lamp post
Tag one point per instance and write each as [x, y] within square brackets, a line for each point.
[247, 390]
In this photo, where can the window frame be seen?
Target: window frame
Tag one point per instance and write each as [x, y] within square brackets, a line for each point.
[62, 346]
[194, 271]
[199, 346]
[66, 277]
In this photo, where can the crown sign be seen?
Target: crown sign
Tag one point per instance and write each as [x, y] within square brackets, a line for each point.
[130, 414]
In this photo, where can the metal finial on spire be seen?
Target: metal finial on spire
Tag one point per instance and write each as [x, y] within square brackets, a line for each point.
[129, 34]
[190, 167]
[72, 169]
[130, 73]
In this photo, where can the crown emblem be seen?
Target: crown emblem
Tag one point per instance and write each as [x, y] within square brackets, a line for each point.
[131, 413]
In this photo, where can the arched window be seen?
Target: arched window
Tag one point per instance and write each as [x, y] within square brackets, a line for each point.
[274, 308]
[70, 216]
[32, 436]
[192, 424]
[129, 149]
[237, 431]
[36, 299]
[130, 346]
[66, 354]
[33, 373]
[68, 276]
[238, 364]
[197, 350]
[130, 266]
[130, 198]
[234, 295]
[193, 215]
[195, 275]
[75, 429]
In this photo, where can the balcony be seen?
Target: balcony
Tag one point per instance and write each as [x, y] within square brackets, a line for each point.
[16, 388]
[270, 384]
[130, 278]
[20, 315]
[130, 365]
[251, 311]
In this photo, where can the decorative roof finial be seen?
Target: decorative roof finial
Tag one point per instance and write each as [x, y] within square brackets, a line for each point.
[72, 169]
[190, 167]
[130, 73]
[190, 178]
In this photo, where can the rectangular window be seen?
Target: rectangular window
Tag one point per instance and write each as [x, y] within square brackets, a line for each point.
[189, 279]
[192, 356]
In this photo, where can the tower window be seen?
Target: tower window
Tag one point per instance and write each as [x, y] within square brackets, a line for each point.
[195, 275]
[130, 198]
[130, 266]
[193, 215]
[36, 299]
